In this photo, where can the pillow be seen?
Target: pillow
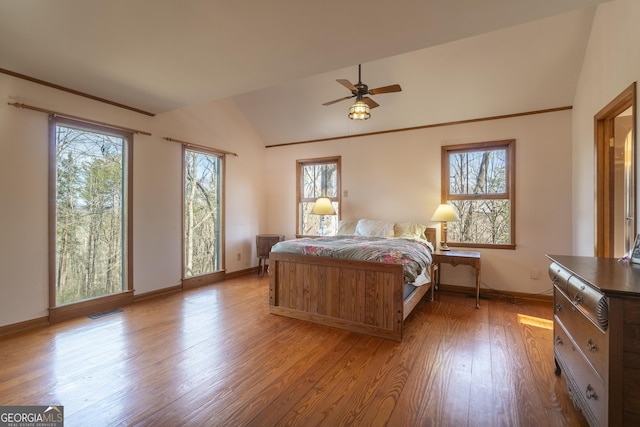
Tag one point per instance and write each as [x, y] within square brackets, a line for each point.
[374, 228]
[410, 230]
[347, 227]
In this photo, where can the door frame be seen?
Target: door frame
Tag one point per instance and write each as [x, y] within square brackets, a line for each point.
[603, 130]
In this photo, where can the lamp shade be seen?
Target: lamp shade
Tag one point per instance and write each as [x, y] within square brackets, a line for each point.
[445, 213]
[323, 206]
[359, 111]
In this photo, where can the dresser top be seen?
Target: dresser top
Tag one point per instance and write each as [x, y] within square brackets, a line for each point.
[606, 274]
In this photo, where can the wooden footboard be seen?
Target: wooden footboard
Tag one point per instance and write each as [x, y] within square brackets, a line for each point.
[358, 296]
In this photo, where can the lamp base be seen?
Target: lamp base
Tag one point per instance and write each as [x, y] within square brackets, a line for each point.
[444, 246]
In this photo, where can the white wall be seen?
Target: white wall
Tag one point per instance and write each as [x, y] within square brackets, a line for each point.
[396, 177]
[156, 194]
[611, 64]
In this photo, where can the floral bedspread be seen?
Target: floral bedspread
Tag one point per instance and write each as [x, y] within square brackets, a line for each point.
[413, 254]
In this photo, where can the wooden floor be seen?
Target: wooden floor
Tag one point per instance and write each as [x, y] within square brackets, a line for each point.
[215, 356]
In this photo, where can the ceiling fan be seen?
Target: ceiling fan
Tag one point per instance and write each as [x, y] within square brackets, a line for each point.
[361, 109]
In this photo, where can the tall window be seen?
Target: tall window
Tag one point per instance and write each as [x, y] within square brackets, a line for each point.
[479, 180]
[92, 211]
[317, 178]
[202, 213]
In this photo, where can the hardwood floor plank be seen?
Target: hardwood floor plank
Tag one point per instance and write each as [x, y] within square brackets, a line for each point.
[384, 378]
[481, 392]
[341, 382]
[287, 391]
[536, 322]
[519, 364]
[510, 374]
[215, 356]
[246, 377]
[222, 377]
[421, 401]
[479, 409]
[459, 339]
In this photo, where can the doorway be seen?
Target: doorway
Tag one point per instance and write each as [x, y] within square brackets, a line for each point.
[616, 176]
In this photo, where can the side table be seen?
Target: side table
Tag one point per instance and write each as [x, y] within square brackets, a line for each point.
[454, 258]
[264, 243]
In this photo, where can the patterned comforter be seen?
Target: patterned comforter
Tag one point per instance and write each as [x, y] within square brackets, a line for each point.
[413, 254]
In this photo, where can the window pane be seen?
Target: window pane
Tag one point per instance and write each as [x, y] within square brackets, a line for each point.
[478, 172]
[481, 221]
[89, 214]
[203, 196]
[318, 225]
[319, 180]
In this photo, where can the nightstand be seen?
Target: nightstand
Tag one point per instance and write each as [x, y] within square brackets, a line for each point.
[454, 258]
[264, 242]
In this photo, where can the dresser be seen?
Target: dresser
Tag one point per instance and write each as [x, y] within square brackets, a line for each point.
[264, 242]
[597, 336]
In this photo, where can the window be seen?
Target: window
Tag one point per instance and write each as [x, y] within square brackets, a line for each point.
[479, 180]
[202, 213]
[317, 178]
[91, 217]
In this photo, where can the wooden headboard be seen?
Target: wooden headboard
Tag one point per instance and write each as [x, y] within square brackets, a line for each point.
[430, 234]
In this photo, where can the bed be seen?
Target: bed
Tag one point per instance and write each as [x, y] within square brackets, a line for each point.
[366, 296]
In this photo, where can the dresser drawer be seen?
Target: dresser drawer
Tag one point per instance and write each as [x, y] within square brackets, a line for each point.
[589, 300]
[586, 387]
[559, 276]
[588, 337]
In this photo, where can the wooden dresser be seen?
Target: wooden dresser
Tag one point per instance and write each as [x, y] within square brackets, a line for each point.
[597, 336]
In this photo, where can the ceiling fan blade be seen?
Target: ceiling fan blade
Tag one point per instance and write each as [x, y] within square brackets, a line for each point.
[346, 83]
[370, 102]
[385, 89]
[338, 100]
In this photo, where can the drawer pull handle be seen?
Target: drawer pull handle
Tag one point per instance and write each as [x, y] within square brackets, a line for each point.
[558, 307]
[559, 341]
[591, 394]
[578, 299]
[591, 346]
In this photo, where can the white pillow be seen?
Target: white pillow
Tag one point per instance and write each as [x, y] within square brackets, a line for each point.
[374, 228]
[347, 227]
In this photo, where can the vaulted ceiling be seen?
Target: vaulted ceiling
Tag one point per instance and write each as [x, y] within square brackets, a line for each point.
[279, 59]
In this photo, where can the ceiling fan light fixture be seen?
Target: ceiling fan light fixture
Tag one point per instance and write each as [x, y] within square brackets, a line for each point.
[359, 111]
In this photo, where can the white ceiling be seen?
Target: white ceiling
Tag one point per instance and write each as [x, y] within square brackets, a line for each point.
[455, 59]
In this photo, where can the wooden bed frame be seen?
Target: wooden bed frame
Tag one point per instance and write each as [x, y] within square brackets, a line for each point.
[359, 296]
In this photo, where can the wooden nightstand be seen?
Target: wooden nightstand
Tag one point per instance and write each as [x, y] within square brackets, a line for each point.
[454, 258]
[264, 242]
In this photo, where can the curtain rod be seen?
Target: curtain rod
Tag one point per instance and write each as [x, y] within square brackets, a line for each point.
[69, 116]
[188, 144]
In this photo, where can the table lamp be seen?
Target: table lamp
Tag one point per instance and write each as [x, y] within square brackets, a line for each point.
[444, 214]
[322, 207]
